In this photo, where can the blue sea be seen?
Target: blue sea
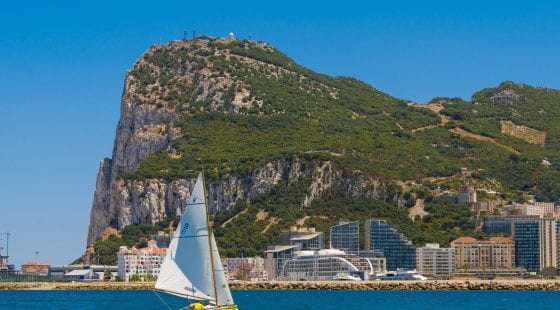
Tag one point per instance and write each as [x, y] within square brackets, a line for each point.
[270, 300]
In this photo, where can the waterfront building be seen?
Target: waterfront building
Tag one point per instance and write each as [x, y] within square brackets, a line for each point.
[435, 261]
[304, 238]
[59, 272]
[376, 257]
[466, 195]
[245, 268]
[308, 242]
[398, 251]
[345, 236]
[35, 268]
[142, 262]
[4, 262]
[497, 252]
[325, 265]
[537, 243]
[82, 275]
[276, 255]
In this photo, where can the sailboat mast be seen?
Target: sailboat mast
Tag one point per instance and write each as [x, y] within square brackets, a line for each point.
[209, 237]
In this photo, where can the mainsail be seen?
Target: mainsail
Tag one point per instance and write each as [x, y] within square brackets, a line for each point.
[187, 267]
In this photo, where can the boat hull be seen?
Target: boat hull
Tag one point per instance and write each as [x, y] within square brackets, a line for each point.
[226, 307]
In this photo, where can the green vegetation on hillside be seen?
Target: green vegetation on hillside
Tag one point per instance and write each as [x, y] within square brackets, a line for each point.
[132, 235]
[312, 116]
[537, 108]
[245, 233]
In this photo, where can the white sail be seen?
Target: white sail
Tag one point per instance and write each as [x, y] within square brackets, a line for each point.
[222, 288]
[187, 267]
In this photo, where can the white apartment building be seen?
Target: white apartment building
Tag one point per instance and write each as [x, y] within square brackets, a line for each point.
[541, 209]
[145, 261]
[432, 260]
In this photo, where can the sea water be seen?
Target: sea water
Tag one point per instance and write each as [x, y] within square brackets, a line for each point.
[270, 300]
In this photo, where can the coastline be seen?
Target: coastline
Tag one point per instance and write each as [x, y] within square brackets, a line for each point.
[474, 284]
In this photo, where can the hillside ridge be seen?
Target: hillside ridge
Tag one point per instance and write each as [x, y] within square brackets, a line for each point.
[268, 128]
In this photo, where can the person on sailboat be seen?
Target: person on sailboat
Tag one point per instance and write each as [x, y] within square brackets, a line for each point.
[197, 305]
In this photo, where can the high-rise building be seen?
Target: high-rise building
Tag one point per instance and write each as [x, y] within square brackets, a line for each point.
[398, 251]
[433, 261]
[346, 236]
[537, 243]
[497, 252]
[503, 225]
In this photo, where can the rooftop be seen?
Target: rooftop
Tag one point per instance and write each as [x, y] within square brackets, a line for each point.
[35, 264]
[305, 237]
[279, 248]
[79, 272]
[471, 240]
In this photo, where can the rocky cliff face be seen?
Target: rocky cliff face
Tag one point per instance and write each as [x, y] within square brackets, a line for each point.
[141, 131]
[149, 201]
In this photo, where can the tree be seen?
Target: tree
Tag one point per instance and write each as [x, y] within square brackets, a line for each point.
[107, 276]
[134, 278]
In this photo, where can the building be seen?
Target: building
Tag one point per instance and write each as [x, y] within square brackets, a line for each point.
[4, 262]
[325, 265]
[141, 262]
[276, 255]
[537, 243]
[309, 242]
[59, 272]
[486, 206]
[502, 225]
[35, 268]
[466, 195]
[82, 275]
[376, 257]
[540, 209]
[432, 260]
[398, 251]
[497, 252]
[245, 268]
[304, 238]
[346, 236]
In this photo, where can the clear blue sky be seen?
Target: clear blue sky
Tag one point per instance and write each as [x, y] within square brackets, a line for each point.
[62, 65]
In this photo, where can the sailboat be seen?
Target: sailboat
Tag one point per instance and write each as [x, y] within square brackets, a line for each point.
[192, 268]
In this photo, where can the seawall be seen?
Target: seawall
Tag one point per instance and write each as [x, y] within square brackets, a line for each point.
[502, 284]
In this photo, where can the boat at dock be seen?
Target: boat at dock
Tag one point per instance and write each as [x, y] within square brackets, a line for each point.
[400, 275]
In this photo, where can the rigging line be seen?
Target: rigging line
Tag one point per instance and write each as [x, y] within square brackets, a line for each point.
[163, 301]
